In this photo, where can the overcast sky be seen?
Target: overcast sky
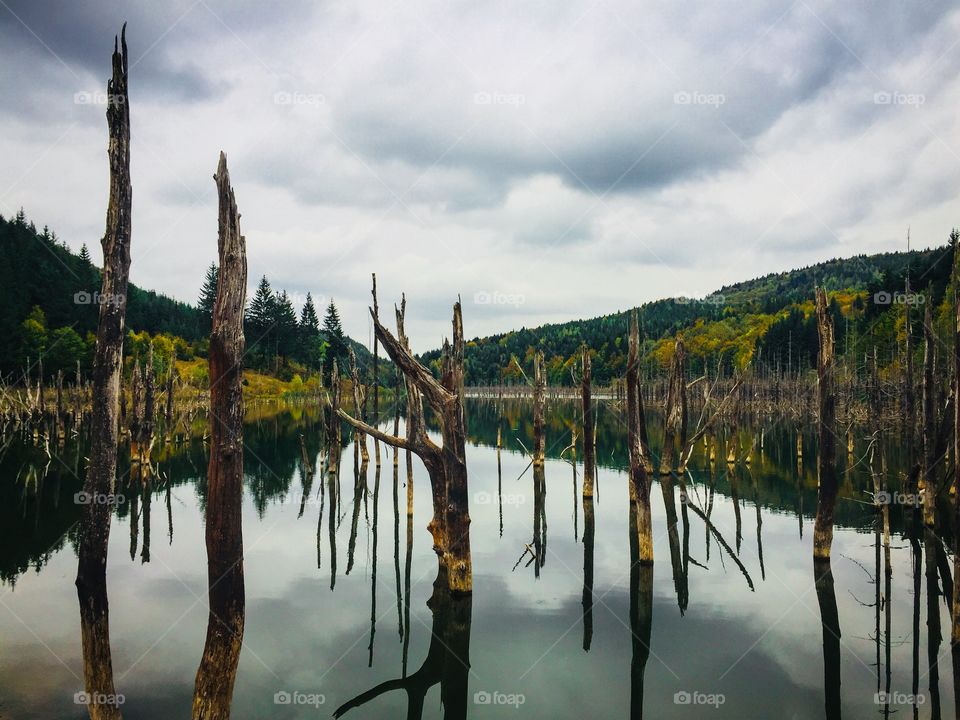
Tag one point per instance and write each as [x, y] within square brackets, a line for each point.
[545, 160]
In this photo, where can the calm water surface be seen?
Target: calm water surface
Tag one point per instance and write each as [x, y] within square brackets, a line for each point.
[727, 624]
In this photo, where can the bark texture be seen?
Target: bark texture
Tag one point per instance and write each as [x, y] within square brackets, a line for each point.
[826, 427]
[224, 535]
[102, 467]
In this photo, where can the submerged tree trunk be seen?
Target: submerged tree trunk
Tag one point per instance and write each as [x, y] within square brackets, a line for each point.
[929, 411]
[445, 465]
[675, 421]
[101, 471]
[955, 610]
[224, 535]
[827, 456]
[589, 451]
[539, 421]
[639, 483]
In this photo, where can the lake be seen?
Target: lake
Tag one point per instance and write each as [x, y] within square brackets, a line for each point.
[729, 623]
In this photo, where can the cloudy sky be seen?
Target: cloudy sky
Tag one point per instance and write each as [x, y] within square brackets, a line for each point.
[545, 160]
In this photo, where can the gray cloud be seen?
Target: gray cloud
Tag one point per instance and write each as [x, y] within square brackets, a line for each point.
[618, 150]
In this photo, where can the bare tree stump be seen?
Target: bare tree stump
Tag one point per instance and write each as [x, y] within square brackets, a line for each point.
[827, 437]
[102, 467]
[224, 533]
[589, 422]
[639, 483]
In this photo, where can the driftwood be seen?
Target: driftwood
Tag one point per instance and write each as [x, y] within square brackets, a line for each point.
[224, 534]
[102, 467]
[827, 437]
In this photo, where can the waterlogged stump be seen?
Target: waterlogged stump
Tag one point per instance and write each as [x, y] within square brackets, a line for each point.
[639, 483]
[101, 470]
[826, 427]
[445, 465]
[224, 537]
[589, 427]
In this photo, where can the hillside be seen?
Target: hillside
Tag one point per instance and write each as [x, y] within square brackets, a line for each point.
[48, 308]
[767, 320]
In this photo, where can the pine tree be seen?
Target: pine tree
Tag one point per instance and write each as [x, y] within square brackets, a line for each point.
[285, 326]
[260, 316]
[336, 341]
[85, 255]
[309, 341]
[208, 295]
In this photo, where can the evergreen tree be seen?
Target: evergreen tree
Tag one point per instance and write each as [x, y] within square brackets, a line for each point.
[285, 326]
[336, 341]
[260, 317]
[208, 296]
[309, 341]
[85, 255]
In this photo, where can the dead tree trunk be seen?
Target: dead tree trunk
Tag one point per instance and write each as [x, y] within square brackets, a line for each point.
[447, 465]
[955, 610]
[376, 372]
[675, 420]
[929, 410]
[101, 470]
[333, 422]
[589, 456]
[224, 534]
[358, 404]
[149, 408]
[639, 484]
[539, 421]
[827, 456]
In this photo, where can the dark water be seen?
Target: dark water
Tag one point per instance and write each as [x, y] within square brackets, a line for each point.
[727, 624]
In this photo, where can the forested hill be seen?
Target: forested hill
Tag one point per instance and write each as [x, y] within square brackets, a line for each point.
[39, 271]
[49, 307]
[766, 320]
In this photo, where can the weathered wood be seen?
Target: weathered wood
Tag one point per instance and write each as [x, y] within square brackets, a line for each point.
[929, 421]
[955, 609]
[224, 533]
[359, 401]
[826, 426]
[446, 466]
[639, 483]
[101, 469]
[589, 423]
[376, 370]
[539, 410]
[674, 423]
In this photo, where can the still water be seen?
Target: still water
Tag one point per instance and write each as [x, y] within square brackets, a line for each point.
[727, 624]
